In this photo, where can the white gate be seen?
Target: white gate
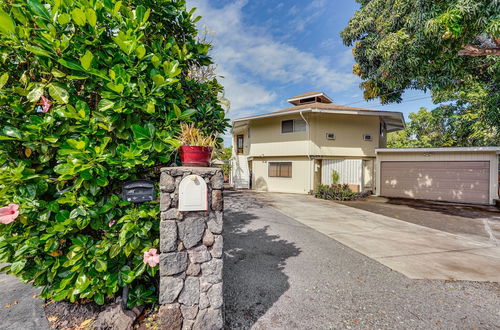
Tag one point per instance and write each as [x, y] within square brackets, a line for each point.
[349, 170]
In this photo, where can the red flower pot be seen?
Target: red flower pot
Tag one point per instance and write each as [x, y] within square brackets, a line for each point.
[196, 156]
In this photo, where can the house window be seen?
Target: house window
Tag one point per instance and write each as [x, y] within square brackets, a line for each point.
[287, 126]
[293, 126]
[239, 144]
[280, 170]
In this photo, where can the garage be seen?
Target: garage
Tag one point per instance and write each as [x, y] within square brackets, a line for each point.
[465, 175]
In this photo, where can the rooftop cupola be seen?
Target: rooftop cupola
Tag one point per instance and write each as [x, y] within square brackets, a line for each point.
[311, 97]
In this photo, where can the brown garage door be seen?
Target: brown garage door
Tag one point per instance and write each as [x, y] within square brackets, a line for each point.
[458, 181]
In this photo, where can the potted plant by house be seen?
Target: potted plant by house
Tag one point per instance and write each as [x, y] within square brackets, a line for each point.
[196, 148]
[335, 179]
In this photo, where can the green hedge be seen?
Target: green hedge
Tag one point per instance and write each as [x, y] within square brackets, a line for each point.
[335, 192]
[92, 94]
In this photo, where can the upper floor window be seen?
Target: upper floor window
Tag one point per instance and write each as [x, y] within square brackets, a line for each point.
[293, 125]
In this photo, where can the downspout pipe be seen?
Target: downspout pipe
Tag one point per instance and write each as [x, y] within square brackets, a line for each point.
[308, 151]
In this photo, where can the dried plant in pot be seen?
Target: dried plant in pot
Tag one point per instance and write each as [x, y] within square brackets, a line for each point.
[196, 148]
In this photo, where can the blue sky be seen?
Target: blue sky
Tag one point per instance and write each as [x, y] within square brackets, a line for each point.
[270, 50]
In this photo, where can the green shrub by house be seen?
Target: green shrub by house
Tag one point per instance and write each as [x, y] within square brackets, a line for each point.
[336, 192]
[92, 93]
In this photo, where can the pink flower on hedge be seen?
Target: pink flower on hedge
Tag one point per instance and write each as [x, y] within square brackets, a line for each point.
[9, 213]
[46, 104]
[151, 257]
[111, 223]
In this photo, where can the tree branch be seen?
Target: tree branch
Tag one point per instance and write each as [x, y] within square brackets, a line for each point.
[470, 50]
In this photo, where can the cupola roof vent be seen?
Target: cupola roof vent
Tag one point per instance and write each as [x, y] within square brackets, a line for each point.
[311, 97]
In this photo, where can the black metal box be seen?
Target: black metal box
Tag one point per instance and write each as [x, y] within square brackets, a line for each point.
[138, 191]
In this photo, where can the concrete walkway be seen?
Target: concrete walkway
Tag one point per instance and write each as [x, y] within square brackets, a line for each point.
[20, 307]
[415, 251]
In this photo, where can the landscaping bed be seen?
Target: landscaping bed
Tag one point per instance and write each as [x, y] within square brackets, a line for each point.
[65, 315]
[85, 315]
[338, 192]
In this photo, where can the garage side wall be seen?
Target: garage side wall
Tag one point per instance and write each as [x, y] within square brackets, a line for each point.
[423, 156]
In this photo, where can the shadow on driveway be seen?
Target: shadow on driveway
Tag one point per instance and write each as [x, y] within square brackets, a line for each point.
[253, 266]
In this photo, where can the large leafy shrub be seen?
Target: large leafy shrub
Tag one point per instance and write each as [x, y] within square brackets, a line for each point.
[117, 80]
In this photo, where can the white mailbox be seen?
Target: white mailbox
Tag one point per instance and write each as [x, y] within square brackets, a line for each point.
[193, 194]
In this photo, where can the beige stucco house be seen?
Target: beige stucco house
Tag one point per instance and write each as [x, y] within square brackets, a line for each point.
[297, 148]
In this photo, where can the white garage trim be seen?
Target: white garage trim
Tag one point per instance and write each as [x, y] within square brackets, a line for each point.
[444, 149]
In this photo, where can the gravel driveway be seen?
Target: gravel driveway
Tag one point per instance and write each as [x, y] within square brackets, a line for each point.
[280, 274]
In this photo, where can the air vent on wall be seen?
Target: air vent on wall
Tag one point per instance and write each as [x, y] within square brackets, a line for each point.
[367, 137]
[330, 136]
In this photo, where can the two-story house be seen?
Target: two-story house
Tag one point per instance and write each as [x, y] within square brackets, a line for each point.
[297, 148]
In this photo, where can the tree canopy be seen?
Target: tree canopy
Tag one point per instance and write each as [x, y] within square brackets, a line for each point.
[92, 94]
[441, 127]
[448, 47]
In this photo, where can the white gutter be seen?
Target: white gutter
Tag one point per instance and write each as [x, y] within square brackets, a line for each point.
[308, 150]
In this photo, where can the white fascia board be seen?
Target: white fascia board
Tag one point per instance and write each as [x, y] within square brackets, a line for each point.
[239, 124]
[443, 149]
[272, 114]
[383, 114]
[333, 111]
[361, 112]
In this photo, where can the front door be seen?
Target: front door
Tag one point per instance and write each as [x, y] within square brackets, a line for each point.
[239, 144]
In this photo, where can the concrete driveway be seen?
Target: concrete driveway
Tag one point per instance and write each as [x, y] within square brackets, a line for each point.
[416, 251]
[282, 274]
[477, 222]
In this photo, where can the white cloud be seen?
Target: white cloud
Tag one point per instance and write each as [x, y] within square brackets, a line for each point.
[307, 15]
[317, 4]
[293, 10]
[250, 59]
[329, 43]
[345, 59]
[244, 95]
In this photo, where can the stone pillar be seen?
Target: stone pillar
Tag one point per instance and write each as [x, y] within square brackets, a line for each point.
[191, 254]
